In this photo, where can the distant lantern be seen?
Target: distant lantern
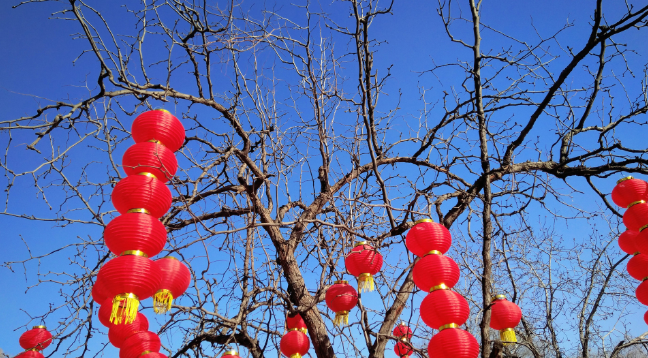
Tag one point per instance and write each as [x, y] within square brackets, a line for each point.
[426, 236]
[294, 344]
[505, 315]
[403, 349]
[176, 278]
[402, 331]
[341, 298]
[453, 343]
[363, 262]
[36, 339]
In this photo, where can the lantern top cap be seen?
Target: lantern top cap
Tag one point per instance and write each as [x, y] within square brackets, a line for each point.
[231, 352]
[162, 110]
[423, 221]
[341, 282]
[134, 252]
[39, 326]
[624, 179]
[500, 297]
[360, 243]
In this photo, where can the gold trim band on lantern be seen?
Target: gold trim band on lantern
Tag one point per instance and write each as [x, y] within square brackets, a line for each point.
[230, 353]
[423, 221]
[434, 252]
[507, 330]
[147, 174]
[134, 252]
[162, 110]
[635, 203]
[155, 141]
[643, 227]
[145, 352]
[294, 329]
[500, 297]
[624, 179]
[341, 281]
[138, 210]
[449, 325]
[360, 243]
[39, 326]
[170, 257]
[366, 274]
[644, 279]
[31, 349]
[439, 287]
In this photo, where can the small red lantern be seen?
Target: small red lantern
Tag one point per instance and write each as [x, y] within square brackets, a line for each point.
[402, 331]
[505, 315]
[426, 236]
[37, 338]
[402, 349]
[295, 321]
[636, 217]
[638, 267]
[341, 298]
[443, 307]
[629, 190]
[646, 317]
[154, 355]
[135, 231]
[294, 344]
[435, 271]
[364, 262]
[453, 343]
[231, 354]
[117, 334]
[642, 292]
[141, 194]
[140, 342]
[159, 125]
[99, 294]
[30, 354]
[148, 157]
[176, 278]
[629, 241]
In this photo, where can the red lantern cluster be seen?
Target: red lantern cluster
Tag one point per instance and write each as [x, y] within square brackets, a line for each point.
[33, 341]
[294, 344]
[363, 262]
[403, 348]
[341, 298]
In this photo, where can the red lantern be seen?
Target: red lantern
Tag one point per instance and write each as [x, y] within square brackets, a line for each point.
[402, 349]
[148, 157]
[629, 190]
[443, 307]
[295, 321]
[364, 262]
[135, 231]
[154, 355]
[141, 193]
[341, 298]
[159, 125]
[231, 354]
[642, 292]
[638, 267]
[175, 281]
[140, 342]
[294, 344]
[453, 343]
[505, 315]
[131, 277]
[426, 236]
[636, 217]
[30, 354]
[646, 317]
[402, 331]
[99, 294]
[117, 334]
[629, 241]
[37, 338]
[435, 271]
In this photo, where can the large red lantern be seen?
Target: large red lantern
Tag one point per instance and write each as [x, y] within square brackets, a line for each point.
[117, 334]
[231, 354]
[341, 298]
[153, 158]
[636, 217]
[141, 193]
[131, 277]
[505, 315]
[140, 342]
[453, 343]
[294, 344]
[135, 231]
[444, 307]
[402, 349]
[638, 267]
[159, 125]
[629, 241]
[295, 321]
[37, 338]
[402, 331]
[435, 271]
[642, 292]
[175, 281]
[364, 262]
[426, 236]
[629, 190]
[30, 354]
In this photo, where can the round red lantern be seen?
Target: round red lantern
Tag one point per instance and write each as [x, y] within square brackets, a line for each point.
[131, 277]
[629, 190]
[117, 334]
[402, 349]
[140, 342]
[629, 241]
[295, 321]
[159, 125]
[30, 354]
[426, 236]
[141, 193]
[646, 317]
[341, 298]
[294, 344]
[435, 271]
[442, 307]
[99, 294]
[149, 157]
[453, 343]
[364, 262]
[231, 354]
[636, 217]
[154, 355]
[638, 267]
[37, 338]
[642, 292]
[135, 231]
[402, 331]
[175, 281]
[505, 315]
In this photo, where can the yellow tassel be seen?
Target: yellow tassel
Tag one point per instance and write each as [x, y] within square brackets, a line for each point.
[124, 306]
[365, 282]
[162, 301]
[341, 318]
[508, 336]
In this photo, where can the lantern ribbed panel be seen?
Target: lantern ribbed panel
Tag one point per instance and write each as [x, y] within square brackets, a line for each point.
[433, 270]
[341, 297]
[442, 307]
[99, 294]
[139, 343]
[402, 349]
[638, 267]
[176, 277]
[629, 241]
[159, 125]
[295, 321]
[151, 158]
[505, 314]
[363, 259]
[35, 338]
[153, 355]
[140, 191]
[642, 293]
[453, 343]
[135, 231]
[402, 331]
[636, 216]
[427, 236]
[294, 342]
[30, 354]
[131, 274]
[117, 334]
[629, 191]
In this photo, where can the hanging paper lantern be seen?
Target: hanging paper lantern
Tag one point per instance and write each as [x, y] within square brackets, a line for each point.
[638, 267]
[443, 307]
[30, 354]
[141, 193]
[426, 236]
[636, 217]
[154, 355]
[294, 344]
[149, 157]
[453, 343]
[646, 317]
[135, 231]
[629, 190]
[117, 334]
[230, 354]
[295, 321]
[131, 277]
[642, 292]
[175, 281]
[99, 294]
[341, 298]
[629, 241]
[140, 342]
[505, 315]
[159, 125]
[402, 331]
[37, 338]
[364, 262]
[402, 349]
[435, 271]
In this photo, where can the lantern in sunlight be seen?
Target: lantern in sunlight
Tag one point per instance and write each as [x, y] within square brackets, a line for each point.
[638, 267]
[403, 349]
[629, 190]
[176, 278]
[426, 236]
[364, 262]
[341, 298]
[402, 331]
[434, 271]
[158, 126]
[636, 216]
[117, 334]
[629, 241]
[453, 343]
[443, 308]
[135, 231]
[230, 354]
[149, 157]
[294, 344]
[139, 343]
[505, 315]
[141, 194]
[36, 339]
[295, 321]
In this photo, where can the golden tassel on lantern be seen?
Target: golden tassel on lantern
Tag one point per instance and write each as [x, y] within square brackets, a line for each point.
[508, 336]
[162, 301]
[125, 306]
[365, 282]
[341, 318]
